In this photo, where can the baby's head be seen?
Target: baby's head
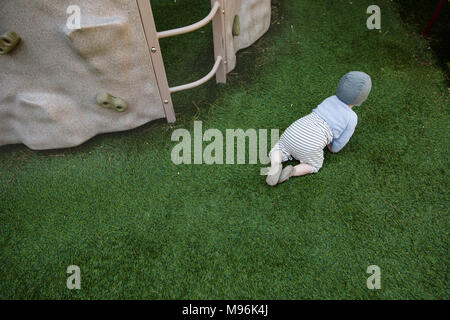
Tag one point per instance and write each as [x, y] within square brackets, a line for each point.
[354, 88]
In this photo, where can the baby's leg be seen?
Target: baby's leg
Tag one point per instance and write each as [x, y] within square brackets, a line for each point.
[275, 167]
[310, 162]
[301, 169]
[298, 170]
[275, 158]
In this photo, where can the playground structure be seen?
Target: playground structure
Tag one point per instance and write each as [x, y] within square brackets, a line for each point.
[61, 86]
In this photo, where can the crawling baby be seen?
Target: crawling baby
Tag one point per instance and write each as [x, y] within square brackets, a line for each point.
[331, 124]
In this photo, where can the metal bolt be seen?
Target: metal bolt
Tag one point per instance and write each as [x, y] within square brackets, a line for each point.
[166, 101]
[153, 49]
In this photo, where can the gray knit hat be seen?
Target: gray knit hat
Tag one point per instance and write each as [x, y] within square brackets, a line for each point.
[354, 88]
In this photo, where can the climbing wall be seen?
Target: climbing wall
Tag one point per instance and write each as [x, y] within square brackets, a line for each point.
[61, 86]
[50, 81]
[253, 20]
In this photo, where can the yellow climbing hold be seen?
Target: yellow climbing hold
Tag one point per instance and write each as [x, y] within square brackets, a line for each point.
[8, 41]
[106, 100]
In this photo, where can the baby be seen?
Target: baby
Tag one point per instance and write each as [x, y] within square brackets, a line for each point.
[331, 124]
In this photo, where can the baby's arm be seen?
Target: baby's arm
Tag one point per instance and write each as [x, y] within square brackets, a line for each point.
[329, 148]
[338, 143]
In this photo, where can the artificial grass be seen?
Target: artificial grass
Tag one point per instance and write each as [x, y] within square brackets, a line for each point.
[417, 14]
[141, 227]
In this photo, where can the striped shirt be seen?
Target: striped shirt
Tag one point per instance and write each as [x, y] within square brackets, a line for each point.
[305, 139]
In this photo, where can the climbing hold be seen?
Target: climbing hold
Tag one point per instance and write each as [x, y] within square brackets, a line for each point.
[8, 41]
[120, 105]
[106, 100]
[236, 26]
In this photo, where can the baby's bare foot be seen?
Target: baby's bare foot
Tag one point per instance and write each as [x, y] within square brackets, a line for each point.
[274, 175]
[286, 174]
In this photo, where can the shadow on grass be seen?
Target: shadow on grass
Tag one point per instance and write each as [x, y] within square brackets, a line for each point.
[417, 14]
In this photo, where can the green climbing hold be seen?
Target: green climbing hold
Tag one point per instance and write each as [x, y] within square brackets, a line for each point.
[8, 41]
[236, 26]
[106, 100]
[120, 105]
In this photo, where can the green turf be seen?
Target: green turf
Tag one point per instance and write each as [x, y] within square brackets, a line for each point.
[417, 14]
[141, 227]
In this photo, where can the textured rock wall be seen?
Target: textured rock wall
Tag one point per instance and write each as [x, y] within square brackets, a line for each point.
[254, 17]
[50, 81]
